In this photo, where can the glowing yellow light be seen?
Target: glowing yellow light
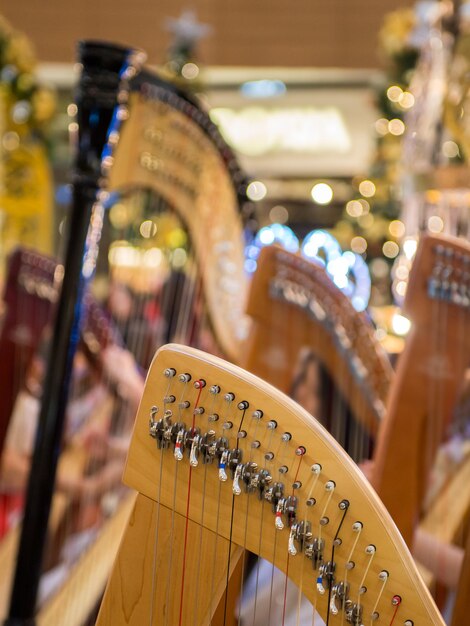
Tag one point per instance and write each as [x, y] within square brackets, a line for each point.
[72, 110]
[406, 100]
[322, 193]
[73, 127]
[153, 258]
[279, 214]
[367, 188]
[119, 215]
[400, 288]
[190, 71]
[379, 268]
[402, 272]
[396, 127]
[396, 228]
[381, 126]
[450, 149]
[148, 229]
[123, 255]
[394, 93]
[365, 205]
[433, 196]
[400, 324]
[358, 244]
[256, 191]
[176, 238]
[354, 208]
[390, 249]
[11, 141]
[435, 224]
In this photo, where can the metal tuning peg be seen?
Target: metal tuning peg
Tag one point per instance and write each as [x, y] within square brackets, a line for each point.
[222, 465]
[234, 459]
[326, 575]
[339, 595]
[278, 523]
[207, 446]
[178, 453]
[250, 476]
[236, 489]
[153, 422]
[193, 460]
[314, 551]
[291, 544]
[300, 532]
[264, 479]
[353, 612]
[290, 509]
[274, 493]
[170, 432]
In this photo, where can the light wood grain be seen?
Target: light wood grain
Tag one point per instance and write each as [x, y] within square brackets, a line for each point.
[282, 328]
[425, 391]
[253, 522]
[211, 216]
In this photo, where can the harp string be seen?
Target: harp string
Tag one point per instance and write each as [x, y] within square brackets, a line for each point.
[242, 419]
[286, 579]
[157, 526]
[188, 500]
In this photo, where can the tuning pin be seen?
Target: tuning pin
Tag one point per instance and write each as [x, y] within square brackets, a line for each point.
[236, 487]
[222, 464]
[320, 587]
[279, 524]
[178, 445]
[291, 545]
[193, 454]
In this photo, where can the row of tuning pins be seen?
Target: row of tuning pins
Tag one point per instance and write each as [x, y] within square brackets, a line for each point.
[258, 480]
[450, 277]
[168, 97]
[230, 459]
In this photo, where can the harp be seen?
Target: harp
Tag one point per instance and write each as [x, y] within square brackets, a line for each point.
[224, 462]
[294, 304]
[169, 146]
[136, 131]
[29, 293]
[429, 375]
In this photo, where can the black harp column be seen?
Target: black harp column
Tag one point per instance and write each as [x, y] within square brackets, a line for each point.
[96, 99]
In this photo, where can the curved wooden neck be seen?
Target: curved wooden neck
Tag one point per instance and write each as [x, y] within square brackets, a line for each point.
[295, 306]
[199, 189]
[429, 377]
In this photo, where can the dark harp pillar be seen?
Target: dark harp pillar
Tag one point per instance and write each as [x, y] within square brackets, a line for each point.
[96, 101]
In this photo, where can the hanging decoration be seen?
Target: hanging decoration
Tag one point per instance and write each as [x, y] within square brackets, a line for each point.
[182, 65]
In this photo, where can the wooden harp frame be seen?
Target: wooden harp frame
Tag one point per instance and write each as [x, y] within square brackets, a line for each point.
[189, 511]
